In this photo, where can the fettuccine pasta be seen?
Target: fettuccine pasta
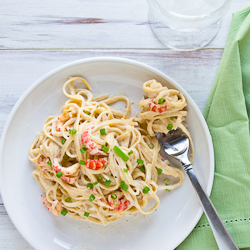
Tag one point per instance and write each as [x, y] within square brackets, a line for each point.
[97, 164]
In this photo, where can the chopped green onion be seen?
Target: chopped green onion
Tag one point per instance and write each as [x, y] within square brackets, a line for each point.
[73, 131]
[91, 197]
[172, 118]
[64, 212]
[49, 163]
[142, 169]
[159, 171]
[59, 174]
[83, 149]
[65, 157]
[95, 183]
[105, 149]
[130, 152]
[139, 161]
[125, 170]
[63, 140]
[151, 145]
[125, 187]
[113, 196]
[99, 178]
[145, 190]
[88, 113]
[168, 190]
[170, 126]
[103, 131]
[68, 199]
[120, 153]
[97, 106]
[60, 163]
[89, 185]
[82, 162]
[161, 100]
[108, 182]
[86, 214]
[167, 182]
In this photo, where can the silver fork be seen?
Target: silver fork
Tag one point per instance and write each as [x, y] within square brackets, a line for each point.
[176, 144]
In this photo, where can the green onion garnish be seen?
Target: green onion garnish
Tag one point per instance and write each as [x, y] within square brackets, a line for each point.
[65, 157]
[49, 163]
[59, 174]
[108, 182]
[161, 100]
[64, 212]
[63, 140]
[125, 170]
[168, 190]
[99, 178]
[145, 190]
[139, 161]
[120, 153]
[125, 187]
[97, 106]
[170, 126]
[172, 118]
[130, 152]
[91, 197]
[159, 171]
[83, 149]
[88, 113]
[105, 149]
[113, 196]
[167, 182]
[89, 185]
[73, 131]
[86, 214]
[151, 145]
[60, 163]
[95, 183]
[68, 199]
[142, 169]
[103, 131]
[82, 162]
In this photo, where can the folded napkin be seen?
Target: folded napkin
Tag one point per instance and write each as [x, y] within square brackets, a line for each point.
[227, 114]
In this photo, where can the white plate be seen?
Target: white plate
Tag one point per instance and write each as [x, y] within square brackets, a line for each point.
[166, 228]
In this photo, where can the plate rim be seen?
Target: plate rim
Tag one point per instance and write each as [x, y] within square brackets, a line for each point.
[106, 59]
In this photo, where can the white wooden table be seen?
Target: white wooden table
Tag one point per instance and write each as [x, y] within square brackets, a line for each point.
[38, 36]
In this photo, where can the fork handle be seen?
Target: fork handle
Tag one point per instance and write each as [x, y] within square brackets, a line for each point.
[221, 235]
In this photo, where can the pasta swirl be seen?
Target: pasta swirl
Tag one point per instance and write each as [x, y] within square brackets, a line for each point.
[97, 164]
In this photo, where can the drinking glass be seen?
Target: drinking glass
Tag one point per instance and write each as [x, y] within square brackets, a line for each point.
[186, 24]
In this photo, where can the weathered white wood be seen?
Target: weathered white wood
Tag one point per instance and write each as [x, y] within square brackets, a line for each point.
[93, 28]
[85, 24]
[195, 71]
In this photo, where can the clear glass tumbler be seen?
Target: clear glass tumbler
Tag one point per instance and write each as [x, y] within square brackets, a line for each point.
[186, 24]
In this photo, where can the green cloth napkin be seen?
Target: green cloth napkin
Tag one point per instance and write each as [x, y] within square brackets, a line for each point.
[227, 114]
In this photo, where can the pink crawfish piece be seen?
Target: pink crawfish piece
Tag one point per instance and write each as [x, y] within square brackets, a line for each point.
[122, 205]
[57, 168]
[96, 164]
[54, 211]
[92, 147]
[159, 108]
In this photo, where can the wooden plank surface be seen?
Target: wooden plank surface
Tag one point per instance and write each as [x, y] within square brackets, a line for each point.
[38, 36]
[85, 24]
